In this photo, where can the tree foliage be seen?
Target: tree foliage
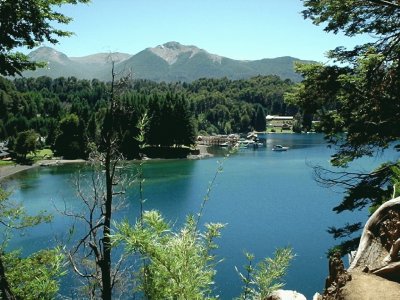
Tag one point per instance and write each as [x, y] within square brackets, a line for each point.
[26, 142]
[260, 121]
[32, 277]
[36, 276]
[180, 264]
[171, 122]
[224, 106]
[177, 265]
[177, 111]
[27, 23]
[70, 142]
[262, 280]
[357, 101]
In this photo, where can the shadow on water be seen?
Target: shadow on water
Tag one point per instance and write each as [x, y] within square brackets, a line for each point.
[166, 188]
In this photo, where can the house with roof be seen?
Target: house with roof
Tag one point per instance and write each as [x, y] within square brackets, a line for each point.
[4, 154]
[281, 122]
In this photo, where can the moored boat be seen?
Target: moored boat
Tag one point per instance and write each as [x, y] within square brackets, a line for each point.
[279, 148]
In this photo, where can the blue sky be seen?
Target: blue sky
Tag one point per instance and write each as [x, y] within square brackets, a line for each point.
[238, 29]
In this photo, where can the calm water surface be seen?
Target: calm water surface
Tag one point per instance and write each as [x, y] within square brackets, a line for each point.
[267, 199]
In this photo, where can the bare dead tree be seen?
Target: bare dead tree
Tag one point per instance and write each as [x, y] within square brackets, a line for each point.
[91, 257]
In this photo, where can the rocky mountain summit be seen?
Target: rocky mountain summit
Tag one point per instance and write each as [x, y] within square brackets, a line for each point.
[171, 51]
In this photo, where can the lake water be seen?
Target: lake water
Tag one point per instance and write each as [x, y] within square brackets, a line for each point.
[267, 199]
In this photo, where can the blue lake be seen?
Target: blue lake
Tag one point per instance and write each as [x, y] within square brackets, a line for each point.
[267, 199]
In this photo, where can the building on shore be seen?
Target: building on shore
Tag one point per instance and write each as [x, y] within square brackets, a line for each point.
[280, 122]
[4, 154]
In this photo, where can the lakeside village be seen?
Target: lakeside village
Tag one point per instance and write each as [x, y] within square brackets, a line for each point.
[275, 124]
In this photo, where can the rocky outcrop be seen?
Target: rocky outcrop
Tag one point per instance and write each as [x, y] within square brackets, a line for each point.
[337, 279]
[374, 272]
[356, 285]
[366, 286]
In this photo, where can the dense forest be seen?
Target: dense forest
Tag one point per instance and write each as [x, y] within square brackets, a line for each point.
[69, 114]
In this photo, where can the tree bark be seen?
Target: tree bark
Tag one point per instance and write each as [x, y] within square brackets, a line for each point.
[372, 255]
[106, 260]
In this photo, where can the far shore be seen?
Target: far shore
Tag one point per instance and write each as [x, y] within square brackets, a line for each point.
[9, 170]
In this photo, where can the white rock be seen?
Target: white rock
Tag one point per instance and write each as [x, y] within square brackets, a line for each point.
[316, 296]
[289, 295]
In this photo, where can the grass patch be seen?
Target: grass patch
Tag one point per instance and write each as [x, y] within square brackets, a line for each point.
[41, 154]
[6, 163]
[45, 153]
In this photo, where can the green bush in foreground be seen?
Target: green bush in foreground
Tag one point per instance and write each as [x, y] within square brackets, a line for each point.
[35, 277]
[261, 281]
[180, 264]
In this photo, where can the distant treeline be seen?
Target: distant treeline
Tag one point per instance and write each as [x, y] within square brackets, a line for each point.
[70, 113]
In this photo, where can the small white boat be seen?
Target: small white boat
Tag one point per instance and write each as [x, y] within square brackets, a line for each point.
[245, 143]
[224, 145]
[279, 148]
[251, 136]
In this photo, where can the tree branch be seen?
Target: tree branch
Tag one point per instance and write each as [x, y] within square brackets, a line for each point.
[76, 269]
[394, 4]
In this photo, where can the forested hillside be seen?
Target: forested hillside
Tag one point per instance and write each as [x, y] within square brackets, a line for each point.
[69, 114]
[226, 106]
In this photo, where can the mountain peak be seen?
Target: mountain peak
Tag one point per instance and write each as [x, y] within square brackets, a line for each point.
[170, 52]
[49, 54]
[174, 45]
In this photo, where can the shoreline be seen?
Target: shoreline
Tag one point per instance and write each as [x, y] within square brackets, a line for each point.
[7, 171]
[203, 153]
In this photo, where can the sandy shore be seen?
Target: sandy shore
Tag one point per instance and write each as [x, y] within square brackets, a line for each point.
[6, 171]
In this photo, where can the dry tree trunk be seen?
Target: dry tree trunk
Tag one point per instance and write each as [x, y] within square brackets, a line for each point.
[378, 251]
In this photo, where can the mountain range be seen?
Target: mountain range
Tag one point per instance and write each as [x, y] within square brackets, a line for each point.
[168, 62]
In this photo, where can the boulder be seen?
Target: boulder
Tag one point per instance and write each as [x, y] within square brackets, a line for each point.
[287, 295]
